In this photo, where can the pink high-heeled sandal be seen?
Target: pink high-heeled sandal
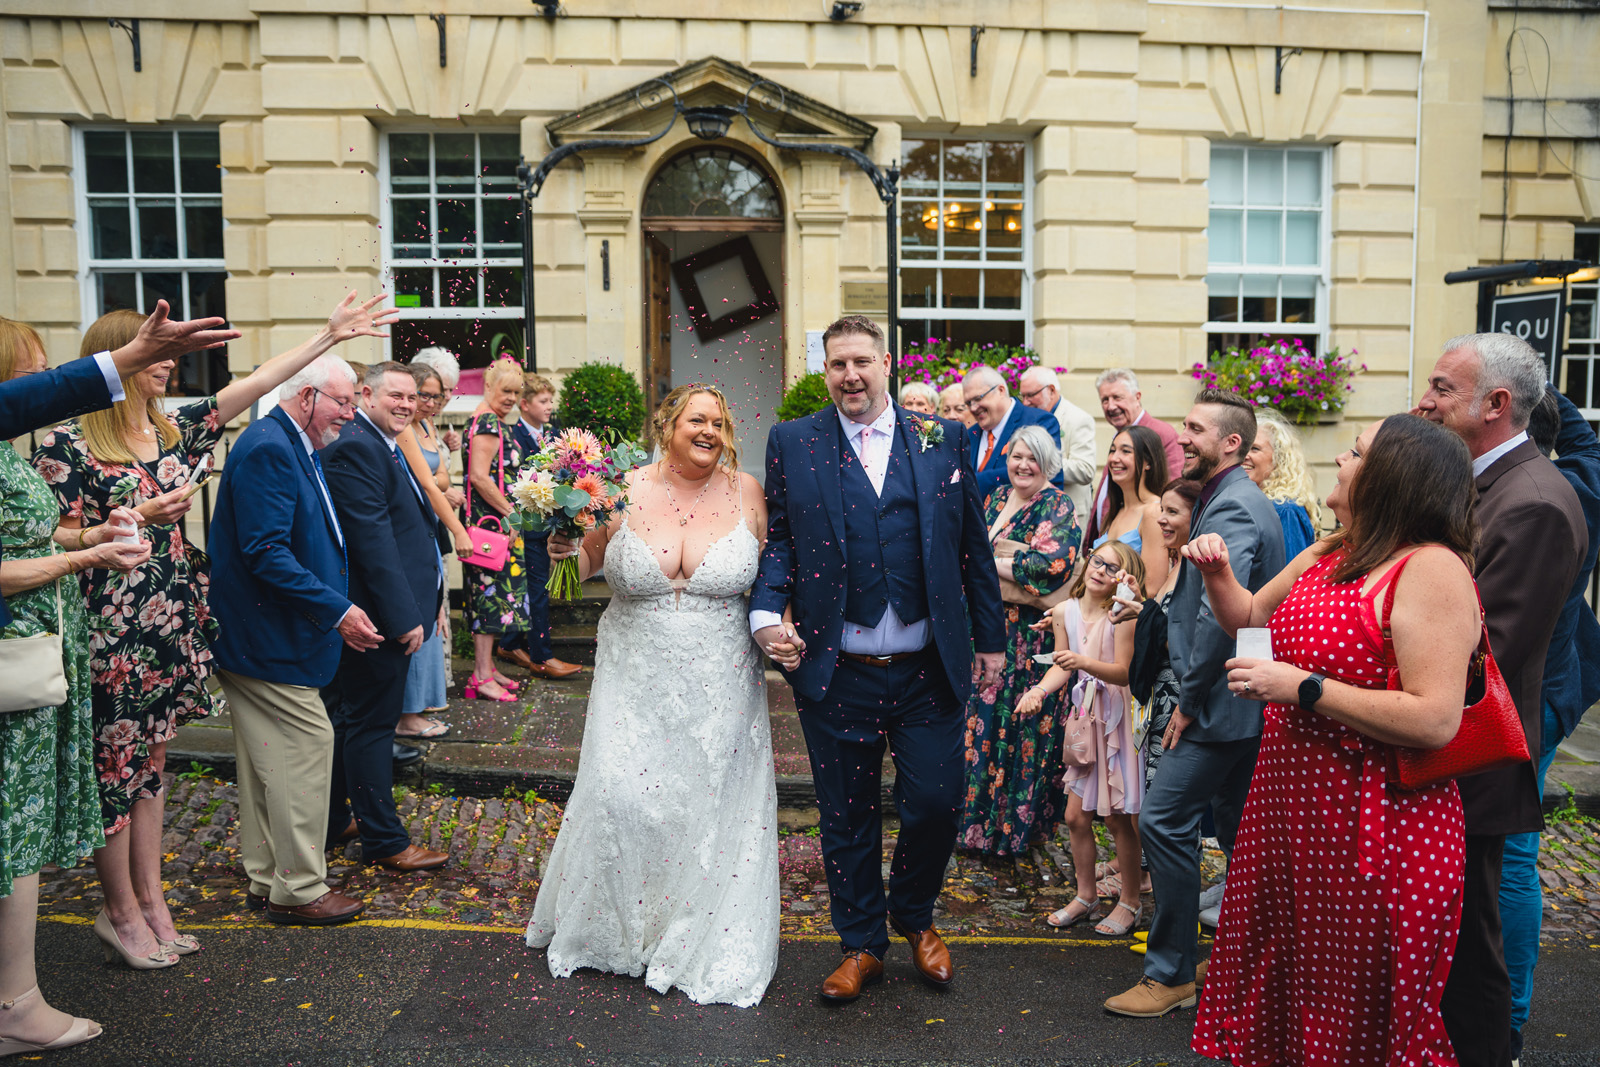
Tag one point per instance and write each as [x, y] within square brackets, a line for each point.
[470, 690]
[503, 682]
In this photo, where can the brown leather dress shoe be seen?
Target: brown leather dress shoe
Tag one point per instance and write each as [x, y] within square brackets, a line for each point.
[514, 655]
[413, 858]
[330, 909]
[554, 668]
[859, 969]
[928, 953]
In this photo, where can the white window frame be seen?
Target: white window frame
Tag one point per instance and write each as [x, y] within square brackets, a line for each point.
[1023, 263]
[1590, 290]
[1322, 273]
[390, 263]
[88, 291]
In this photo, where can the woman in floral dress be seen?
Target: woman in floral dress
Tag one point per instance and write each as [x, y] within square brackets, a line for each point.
[497, 601]
[1014, 798]
[49, 806]
[151, 629]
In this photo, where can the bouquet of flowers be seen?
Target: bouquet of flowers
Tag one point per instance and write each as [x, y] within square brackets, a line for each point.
[570, 486]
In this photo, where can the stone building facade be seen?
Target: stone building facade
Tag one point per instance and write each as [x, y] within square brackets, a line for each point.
[1113, 182]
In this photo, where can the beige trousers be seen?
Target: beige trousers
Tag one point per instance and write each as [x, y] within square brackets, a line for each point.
[284, 744]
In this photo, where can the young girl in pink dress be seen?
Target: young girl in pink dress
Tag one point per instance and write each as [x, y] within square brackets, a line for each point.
[1105, 769]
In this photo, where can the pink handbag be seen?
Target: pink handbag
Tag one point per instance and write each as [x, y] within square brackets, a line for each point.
[490, 548]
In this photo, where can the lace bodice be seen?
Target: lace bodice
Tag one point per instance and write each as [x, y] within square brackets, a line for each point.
[728, 570]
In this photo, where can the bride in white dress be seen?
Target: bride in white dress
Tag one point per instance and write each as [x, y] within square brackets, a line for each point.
[666, 865]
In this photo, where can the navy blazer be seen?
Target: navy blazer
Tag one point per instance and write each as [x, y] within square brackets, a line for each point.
[34, 401]
[804, 565]
[277, 571]
[1572, 666]
[994, 475]
[393, 534]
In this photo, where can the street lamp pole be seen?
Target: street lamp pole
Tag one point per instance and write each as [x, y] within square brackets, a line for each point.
[710, 123]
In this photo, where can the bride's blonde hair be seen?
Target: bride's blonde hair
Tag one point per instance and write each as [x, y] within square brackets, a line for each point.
[672, 408]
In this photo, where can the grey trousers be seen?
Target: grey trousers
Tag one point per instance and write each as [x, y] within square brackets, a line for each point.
[1188, 778]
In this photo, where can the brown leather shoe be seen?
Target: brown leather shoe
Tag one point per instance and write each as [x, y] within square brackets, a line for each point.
[1151, 1000]
[554, 668]
[928, 953]
[515, 655]
[859, 969]
[330, 909]
[349, 833]
[413, 858]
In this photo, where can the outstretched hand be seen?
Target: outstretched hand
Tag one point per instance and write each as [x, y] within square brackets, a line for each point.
[350, 319]
[1209, 552]
[161, 338]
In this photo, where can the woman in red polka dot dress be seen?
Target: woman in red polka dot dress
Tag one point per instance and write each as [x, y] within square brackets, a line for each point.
[1344, 893]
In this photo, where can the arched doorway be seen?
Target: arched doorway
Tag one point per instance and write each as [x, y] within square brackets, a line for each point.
[713, 245]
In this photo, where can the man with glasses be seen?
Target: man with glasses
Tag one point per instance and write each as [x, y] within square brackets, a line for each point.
[1040, 388]
[997, 418]
[279, 590]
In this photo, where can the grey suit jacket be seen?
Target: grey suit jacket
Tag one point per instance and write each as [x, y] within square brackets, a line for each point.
[1197, 644]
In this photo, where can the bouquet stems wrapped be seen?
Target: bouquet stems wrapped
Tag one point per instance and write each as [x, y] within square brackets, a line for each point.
[572, 485]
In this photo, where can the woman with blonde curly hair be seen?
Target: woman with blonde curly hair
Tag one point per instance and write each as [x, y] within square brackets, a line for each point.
[1278, 466]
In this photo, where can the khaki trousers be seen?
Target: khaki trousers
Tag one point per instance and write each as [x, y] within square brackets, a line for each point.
[284, 745]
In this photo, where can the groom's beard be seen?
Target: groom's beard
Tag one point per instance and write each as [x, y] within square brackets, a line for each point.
[1204, 467]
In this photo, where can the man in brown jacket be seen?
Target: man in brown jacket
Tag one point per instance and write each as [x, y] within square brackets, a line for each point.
[1531, 540]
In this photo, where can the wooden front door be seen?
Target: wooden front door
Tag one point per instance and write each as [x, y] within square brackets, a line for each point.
[658, 316]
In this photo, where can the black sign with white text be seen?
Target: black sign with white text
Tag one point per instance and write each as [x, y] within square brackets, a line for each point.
[1537, 319]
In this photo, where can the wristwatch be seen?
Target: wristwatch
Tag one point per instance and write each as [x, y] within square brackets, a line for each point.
[1311, 691]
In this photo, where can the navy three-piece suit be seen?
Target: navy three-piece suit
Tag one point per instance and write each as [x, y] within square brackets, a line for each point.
[840, 552]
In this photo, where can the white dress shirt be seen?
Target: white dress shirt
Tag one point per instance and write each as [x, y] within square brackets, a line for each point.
[333, 516]
[1485, 461]
[999, 428]
[890, 636]
[108, 370]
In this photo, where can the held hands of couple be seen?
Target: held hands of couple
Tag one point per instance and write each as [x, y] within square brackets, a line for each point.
[782, 644]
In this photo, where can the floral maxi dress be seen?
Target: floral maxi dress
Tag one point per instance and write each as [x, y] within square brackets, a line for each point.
[150, 629]
[497, 601]
[49, 805]
[1013, 765]
[1344, 895]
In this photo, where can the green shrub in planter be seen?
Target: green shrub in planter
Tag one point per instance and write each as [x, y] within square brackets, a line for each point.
[603, 399]
[808, 394]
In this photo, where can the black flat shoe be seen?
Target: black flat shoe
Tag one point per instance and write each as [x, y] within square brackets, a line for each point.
[406, 755]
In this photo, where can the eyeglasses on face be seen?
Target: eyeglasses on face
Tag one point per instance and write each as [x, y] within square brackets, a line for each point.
[973, 400]
[340, 404]
[1036, 392]
[1108, 568]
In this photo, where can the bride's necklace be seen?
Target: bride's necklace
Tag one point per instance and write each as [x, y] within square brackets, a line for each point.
[684, 516]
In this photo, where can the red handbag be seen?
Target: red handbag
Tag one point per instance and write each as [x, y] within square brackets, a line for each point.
[1490, 736]
[490, 548]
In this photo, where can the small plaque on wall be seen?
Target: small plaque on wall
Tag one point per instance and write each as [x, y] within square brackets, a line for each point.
[856, 298]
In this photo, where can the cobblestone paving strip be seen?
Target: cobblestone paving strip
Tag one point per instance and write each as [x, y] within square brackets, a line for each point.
[496, 847]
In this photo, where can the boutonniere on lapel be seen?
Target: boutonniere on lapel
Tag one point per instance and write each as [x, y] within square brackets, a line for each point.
[929, 433]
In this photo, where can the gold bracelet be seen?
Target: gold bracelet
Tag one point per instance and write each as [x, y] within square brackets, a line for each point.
[81, 545]
[72, 567]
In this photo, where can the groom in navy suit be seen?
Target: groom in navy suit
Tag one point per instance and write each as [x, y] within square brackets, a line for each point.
[877, 546]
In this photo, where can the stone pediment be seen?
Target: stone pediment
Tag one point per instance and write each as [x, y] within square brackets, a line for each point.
[644, 109]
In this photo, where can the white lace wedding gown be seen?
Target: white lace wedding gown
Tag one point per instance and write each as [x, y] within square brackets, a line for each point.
[667, 860]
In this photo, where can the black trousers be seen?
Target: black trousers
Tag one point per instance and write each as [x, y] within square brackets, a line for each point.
[363, 702]
[910, 708]
[1477, 995]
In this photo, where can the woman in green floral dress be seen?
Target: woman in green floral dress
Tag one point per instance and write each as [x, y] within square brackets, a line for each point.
[497, 601]
[1014, 798]
[49, 803]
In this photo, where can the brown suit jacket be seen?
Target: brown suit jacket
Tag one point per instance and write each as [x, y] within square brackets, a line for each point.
[1531, 540]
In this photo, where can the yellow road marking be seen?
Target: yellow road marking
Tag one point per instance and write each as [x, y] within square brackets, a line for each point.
[476, 928]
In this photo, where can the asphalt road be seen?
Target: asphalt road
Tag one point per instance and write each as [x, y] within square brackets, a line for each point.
[387, 994]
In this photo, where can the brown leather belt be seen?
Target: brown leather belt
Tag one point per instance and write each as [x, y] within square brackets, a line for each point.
[883, 661]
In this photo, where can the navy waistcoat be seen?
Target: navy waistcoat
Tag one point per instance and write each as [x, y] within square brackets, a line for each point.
[883, 540]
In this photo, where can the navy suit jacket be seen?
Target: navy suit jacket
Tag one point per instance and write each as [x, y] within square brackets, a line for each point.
[277, 572]
[37, 400]
[994, 475]
[1572, 666]
[393, 535]
[804, 564]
